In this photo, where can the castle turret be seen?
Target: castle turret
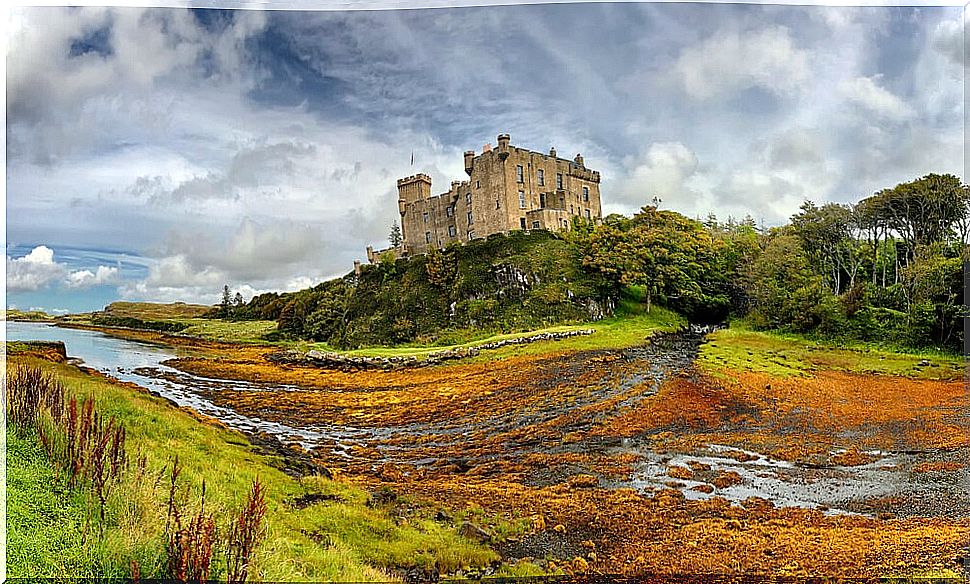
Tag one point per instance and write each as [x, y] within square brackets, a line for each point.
[579, 160]
[469, 157]
[552, 152]
[413, 188]
[503, 145]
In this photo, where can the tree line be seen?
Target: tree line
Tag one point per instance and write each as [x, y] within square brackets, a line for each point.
[887, 269]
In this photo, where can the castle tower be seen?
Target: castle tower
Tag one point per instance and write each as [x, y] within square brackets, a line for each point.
[411, 190]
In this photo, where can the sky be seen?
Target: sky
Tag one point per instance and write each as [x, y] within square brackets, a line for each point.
[160, 153]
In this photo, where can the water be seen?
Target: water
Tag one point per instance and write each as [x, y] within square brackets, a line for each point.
[143, 364]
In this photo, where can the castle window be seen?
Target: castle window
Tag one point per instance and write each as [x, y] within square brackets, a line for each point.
[541, 176]
[522, 222]
[587, 214]
[521, 199]
[468, 198]
[571, 211]
[426, 218]
[427, 237]
[558, 180]
[452, 231]
[470, 220]
[542, 200]
[586, 194]
[519, 173]
[497, 206]
[535, 225]
[450, 210]
[471, 235]
[478, 184]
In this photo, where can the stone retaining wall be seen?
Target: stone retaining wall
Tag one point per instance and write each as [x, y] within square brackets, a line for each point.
[342, 362]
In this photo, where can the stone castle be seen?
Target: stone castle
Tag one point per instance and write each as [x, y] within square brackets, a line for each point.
[508, 188]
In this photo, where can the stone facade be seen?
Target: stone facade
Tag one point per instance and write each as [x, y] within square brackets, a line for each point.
[508, 188]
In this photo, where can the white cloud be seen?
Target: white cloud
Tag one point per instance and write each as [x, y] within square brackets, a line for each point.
[103, 275]
[662, 171]
[33, 271]
[866, 93]
[948, 40]
[38, 269]
[731, 61]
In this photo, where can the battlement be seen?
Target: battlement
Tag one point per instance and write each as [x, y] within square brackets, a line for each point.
[420, 177]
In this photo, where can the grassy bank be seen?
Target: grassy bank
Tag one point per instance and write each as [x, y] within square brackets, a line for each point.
[785, 355]
[342, 534]
[631, 326]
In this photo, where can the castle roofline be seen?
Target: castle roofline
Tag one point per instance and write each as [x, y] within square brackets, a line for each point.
[420, 177]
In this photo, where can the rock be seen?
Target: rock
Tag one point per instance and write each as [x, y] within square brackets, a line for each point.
[442, 516]
[473, 532]
[382, 496]
[923, 363]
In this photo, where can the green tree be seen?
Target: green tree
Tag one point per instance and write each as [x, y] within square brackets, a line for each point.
[395, 236]
[670, 256]
[225, 307]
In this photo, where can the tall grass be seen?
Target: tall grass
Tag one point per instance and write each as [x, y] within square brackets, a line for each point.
[79, 441]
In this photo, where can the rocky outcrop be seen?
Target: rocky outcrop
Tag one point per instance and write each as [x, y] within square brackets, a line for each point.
[328, 360]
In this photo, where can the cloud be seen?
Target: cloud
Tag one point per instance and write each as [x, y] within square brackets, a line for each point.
[103, 275]
[34, 271]
[948, 39]
[866, 93]
[55, 89]
[662, 171]
[38, 269]
[731, 61]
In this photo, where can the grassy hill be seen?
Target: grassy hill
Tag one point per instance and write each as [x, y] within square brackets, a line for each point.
[501, 284]
[155, 310]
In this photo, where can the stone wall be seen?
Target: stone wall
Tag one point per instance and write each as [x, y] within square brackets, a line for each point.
[328, 360]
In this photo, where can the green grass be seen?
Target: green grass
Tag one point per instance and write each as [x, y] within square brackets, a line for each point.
[631, 326]
[230, 331]
[14, 314]
[44, 522]
[157, 310]
[330, 540]
[789, 355]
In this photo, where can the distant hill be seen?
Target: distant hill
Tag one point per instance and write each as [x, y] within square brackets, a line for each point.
[155, 311]
[521, 281]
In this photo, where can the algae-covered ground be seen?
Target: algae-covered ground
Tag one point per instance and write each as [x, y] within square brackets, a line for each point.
[608, 453]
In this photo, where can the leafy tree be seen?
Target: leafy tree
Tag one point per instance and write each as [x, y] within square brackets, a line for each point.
[669, 255]
[926, 210]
